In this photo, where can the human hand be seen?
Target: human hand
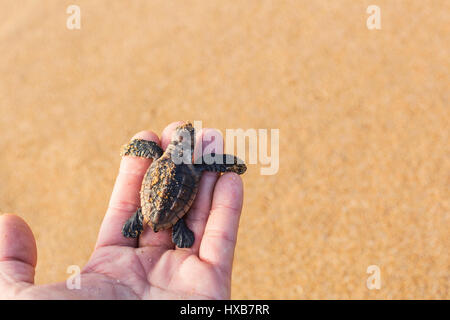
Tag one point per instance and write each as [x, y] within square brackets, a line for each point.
[149, 267]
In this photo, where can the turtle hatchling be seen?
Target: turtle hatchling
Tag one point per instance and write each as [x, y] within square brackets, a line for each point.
[171, 183]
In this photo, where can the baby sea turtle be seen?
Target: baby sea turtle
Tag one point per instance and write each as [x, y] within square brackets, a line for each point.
[171, 183]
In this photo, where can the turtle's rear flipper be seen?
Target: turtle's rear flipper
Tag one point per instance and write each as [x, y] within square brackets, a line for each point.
[221, 163]
[133, 226]
[182, 236]
[142, 148]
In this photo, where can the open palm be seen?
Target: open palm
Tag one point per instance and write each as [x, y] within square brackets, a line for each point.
[149, 267]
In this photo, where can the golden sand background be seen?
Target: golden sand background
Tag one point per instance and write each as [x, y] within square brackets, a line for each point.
[363, 118]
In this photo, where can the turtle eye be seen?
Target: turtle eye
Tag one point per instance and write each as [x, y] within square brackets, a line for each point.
[181, 138]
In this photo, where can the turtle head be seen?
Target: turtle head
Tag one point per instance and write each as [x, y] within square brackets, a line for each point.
[183, 140]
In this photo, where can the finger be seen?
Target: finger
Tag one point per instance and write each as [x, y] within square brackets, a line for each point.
[162, 238]
[18, 254]
[219, 238]
[125, 197]
[211, 141]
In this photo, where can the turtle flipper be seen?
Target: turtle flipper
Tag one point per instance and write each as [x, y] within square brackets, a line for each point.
[182, 236]
[133, 226]
[221, 163]
[142, 148]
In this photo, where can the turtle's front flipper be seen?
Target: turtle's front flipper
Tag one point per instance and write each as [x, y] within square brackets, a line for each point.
[221, 163]
[142, 148]
[133, 226]
[182, 236]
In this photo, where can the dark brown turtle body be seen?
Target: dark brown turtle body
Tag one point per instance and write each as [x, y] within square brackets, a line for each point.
[171, 183]
[167, 193]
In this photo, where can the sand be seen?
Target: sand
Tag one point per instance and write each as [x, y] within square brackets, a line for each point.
[363, 117]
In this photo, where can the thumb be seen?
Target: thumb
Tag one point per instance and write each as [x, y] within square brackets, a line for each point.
[18, 254]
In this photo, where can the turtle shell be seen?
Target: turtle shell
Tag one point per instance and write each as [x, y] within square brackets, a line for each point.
[168, 191]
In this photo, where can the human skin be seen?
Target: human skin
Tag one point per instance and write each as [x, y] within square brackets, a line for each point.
[149, 267]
